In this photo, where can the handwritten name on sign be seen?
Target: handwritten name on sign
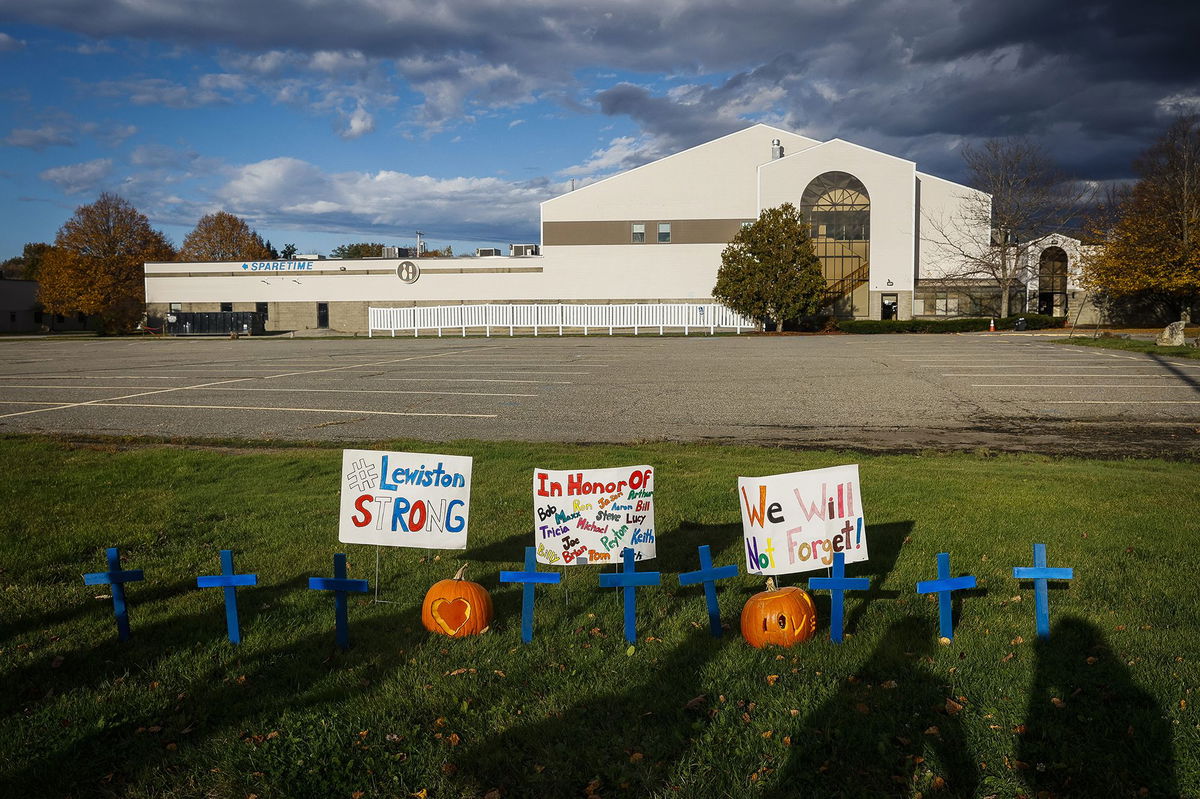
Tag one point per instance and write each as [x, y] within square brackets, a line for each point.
[591, 515]
[404, 499]
[797, 522]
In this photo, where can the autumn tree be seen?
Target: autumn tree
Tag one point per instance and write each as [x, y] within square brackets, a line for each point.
[360, 250]
[223, 237]
[1151, 234]
[95, 265]
[770, 271]
[1024, 197]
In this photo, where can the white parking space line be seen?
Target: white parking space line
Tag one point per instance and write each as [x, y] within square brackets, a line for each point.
[291, 409]
[83, 377]
[1081, 385]
[1073, 375]
[477, 380]
[296, 390]
[225, 382]
[1120, 402]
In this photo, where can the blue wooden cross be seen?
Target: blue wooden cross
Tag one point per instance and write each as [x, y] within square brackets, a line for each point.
[1040, 573]
[942, 586]
[708, 575]
[339, 585]
[629, 579]
[117, 579]
[530, 577]
[230, 582]
[838, 585]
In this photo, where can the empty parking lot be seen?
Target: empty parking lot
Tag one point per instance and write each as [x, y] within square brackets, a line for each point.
[878, 392]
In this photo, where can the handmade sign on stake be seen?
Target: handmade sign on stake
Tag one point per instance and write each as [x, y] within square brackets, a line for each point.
[709, 576]
[797, 522]
[943, 586]
[838, 585]
[404, 499]
[116, 578]
[339, 585]
[530, 577]
[629, 579]
[1040, 573]
[583, 517]
[230, 582]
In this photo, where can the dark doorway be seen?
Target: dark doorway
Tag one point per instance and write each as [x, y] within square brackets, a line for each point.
[322, 314]
[888, 306]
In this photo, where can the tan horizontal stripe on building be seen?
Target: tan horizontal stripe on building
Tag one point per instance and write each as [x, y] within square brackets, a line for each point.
[683, 231]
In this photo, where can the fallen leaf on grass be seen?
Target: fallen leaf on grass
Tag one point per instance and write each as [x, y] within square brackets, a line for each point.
[636, 757]
[1018, 641]
[695, 702]
[772, 679]
[1057, 702]
[953, 708]
[1008, 657]
[944, 641]
[1092, 660]
[861, 707]
[932, 730]
[889, 684]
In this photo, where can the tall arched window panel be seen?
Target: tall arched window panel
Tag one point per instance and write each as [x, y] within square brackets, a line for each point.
[838, 210]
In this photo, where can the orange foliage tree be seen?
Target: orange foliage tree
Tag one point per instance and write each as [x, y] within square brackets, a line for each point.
[1151, 234]
[223, 237]
[95, 265]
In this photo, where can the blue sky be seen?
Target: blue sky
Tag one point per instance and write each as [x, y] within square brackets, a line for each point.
[332, 121]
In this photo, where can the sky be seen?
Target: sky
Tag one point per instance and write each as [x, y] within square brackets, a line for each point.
[325, 122]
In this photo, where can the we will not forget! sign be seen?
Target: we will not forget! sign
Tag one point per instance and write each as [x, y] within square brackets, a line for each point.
[797, 522]
[404, 499]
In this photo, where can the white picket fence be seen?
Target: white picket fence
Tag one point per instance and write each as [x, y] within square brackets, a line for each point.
[709, 317]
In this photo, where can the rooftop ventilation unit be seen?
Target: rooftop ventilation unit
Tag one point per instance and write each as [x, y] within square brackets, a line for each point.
[516, 250]
[487, 252]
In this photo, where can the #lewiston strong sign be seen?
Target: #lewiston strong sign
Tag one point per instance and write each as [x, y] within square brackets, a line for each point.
[404, 499]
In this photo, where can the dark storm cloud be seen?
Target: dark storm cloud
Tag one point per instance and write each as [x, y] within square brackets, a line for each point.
[1094, 81]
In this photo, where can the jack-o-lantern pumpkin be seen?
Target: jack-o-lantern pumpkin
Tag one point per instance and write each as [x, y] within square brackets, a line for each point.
[782, 616]
[457, 607]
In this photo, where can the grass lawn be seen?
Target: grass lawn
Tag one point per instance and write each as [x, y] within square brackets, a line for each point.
[1130, 345]
[1105, 707]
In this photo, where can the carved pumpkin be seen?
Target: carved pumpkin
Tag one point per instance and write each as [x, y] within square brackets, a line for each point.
[457, 607]
[783, 617]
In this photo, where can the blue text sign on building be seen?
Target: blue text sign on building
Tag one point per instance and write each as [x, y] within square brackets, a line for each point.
[278, 266]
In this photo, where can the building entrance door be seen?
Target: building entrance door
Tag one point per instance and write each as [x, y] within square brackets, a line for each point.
[322, 314]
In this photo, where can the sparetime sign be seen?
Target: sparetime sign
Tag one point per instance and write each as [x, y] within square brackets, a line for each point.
[404, 499]
[278, 266]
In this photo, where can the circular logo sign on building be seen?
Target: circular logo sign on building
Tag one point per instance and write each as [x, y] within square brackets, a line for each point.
[408, 271]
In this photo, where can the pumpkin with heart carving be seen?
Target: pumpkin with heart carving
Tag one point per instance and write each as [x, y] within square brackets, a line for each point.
[457, 607]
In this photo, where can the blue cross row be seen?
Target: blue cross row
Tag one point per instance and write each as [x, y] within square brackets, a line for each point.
[838, 584]
[629, 579]
[230, 582]
[943, 586]
[1040, 573]
[339, 584]
[530, 578]
[708, 575]
[116, 578]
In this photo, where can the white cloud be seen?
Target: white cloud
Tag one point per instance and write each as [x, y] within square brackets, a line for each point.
[8, 44]
[47, 135]
[360, 123]
[77, 178]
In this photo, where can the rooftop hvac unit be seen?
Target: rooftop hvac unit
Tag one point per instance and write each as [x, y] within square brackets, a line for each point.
[391, 252]
[487, 252]
[522, 249]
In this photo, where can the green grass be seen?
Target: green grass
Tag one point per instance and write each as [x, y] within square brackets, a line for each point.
[1130, 345]
[178, 711]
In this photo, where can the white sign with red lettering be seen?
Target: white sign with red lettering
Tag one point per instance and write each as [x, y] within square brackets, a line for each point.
[589, 516]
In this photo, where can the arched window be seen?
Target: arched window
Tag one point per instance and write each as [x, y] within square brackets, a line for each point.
[1052, 282]
[838, 209]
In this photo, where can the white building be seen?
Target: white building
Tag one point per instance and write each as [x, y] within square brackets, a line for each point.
[652, 234]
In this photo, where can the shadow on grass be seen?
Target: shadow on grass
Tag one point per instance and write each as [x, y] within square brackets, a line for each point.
[631, 737]
[232, 693]
[1104, 736]
[869, 739]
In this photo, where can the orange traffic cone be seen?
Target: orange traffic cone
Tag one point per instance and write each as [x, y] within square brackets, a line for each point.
[991, 325]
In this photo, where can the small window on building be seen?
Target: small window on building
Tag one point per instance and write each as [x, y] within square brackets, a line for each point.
[260, 308]
[175, 307]
[226, 306]
[638, 233]
[664, 232]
